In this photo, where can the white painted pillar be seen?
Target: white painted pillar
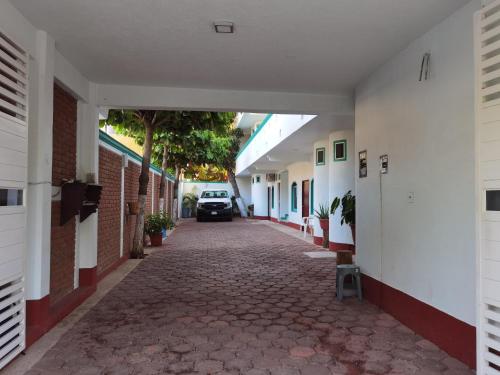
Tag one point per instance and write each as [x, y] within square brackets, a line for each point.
[153, 193]
[122, 202]
[259, 195]
[341, 181]
[39, 200]
[321, 182]
[88, 162]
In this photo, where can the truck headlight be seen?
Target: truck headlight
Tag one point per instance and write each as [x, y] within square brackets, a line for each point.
[198, 205]
[229, 205]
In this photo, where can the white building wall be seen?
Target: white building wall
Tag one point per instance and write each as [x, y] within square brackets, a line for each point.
[298, 172]
[198, 187]
[245, 186]
[423, 247]
[341, 178]
[321, 182]
[276, 129]
[284, 194]
[259, 195]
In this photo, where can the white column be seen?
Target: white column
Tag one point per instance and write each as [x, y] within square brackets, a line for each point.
[153, 193]
[88, 162]
[39, 200]
[259, 195]
[122, 205]
[321, 182]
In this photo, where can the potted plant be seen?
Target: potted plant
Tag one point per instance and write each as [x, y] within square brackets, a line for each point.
[324, 222]
[167, 223]
[189, 204]
[153, 227]
[250, 210]
[349, 213]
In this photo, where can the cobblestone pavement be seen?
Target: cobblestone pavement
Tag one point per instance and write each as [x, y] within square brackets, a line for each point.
[238, 298]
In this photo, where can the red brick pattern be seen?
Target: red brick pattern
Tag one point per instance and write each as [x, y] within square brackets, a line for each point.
[62, 240]
[109, 209]
[64, 136]
[149, 200]
[62, 255]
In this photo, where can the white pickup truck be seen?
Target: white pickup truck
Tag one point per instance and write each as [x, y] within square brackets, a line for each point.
[214, 204]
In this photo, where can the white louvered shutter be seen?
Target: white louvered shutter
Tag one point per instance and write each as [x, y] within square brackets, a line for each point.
[13, 176]
[487, 56]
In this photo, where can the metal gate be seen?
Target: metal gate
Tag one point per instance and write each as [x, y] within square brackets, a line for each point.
[13, 176]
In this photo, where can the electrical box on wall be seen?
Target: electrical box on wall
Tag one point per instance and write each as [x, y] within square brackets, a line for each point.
[384, 164]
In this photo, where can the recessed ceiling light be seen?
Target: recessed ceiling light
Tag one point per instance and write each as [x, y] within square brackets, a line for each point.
[224, 27]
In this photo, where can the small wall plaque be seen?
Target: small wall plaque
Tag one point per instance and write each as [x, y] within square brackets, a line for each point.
[384, 164]
[363, 164]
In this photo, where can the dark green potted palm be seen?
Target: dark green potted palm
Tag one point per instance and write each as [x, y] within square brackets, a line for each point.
[349, 213]
[324, 222]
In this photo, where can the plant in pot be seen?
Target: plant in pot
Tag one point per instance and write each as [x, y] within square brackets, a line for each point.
[189, 202]
[167, 223]
[323, 215]
[153, 227]
[349, 213]
[250, 210]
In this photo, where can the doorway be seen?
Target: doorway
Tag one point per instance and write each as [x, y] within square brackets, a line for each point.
[305, 198]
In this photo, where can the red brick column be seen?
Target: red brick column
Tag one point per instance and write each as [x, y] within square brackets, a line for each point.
[108, 231]
[62, 259]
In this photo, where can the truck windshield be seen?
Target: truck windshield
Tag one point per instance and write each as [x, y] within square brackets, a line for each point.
[214, 194]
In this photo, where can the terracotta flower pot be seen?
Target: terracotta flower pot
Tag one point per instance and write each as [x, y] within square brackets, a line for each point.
[133, 208]
[156, 239]
[325, 227]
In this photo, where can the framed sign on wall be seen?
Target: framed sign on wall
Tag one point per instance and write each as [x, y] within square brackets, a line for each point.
[340, 150]
[363, 164]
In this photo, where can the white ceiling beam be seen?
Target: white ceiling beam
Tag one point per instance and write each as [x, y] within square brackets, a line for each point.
[123, 96]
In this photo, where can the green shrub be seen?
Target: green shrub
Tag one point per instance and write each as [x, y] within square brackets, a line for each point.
[153, 224]
[168, 223]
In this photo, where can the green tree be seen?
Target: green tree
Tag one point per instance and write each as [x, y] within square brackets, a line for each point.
[140, 123]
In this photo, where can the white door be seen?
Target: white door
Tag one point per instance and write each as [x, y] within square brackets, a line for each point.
[13, 175]
[487, 56]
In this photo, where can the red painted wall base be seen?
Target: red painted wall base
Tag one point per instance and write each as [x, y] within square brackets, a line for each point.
[41, 316]
[455, 337]
[261, 217]
[335, 246]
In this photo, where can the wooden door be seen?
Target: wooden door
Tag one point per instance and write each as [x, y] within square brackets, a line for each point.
[305, 198]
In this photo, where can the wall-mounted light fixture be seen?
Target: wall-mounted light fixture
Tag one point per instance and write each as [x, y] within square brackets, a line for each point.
[224, 27]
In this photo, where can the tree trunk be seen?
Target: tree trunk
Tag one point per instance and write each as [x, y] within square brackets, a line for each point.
[175, 209]
[163, 175]
[239, 201]
[137, 251]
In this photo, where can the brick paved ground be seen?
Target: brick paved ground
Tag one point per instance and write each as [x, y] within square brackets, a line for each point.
[238, 298]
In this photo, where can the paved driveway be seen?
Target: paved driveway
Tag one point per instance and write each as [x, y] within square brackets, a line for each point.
[238, 298]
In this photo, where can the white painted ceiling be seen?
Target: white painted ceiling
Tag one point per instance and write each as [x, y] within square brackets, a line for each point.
[314, 46]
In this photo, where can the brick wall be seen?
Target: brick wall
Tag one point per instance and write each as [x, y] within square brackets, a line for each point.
[132, 173]
[148, 199]
[110, 167]
[62, 239]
